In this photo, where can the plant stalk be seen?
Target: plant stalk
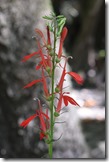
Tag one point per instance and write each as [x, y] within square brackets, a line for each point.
[52, 102]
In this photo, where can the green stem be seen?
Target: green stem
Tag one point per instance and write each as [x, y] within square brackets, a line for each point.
[52, 102]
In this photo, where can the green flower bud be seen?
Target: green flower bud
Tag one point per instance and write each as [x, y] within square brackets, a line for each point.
[56, 114]
[49, 98]
[57, 89]
[47, 141]
[48, 69]
[51, 53]
[57, 60]
[48, 46]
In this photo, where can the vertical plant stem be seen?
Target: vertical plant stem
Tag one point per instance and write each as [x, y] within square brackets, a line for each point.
[52, 102]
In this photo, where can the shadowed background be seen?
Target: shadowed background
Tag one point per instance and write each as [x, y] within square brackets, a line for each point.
[84, 131]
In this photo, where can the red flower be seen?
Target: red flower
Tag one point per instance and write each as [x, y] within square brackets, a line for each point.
[28, 120]
[42, 117]
[27, 57]
[69, 99]
[63, 35]
[32, 83]
[41, 35]
[48, 36]
[59, 103]
[76, 77]
[45, 86]
[60, 85]
[44, 61]
[42, 135]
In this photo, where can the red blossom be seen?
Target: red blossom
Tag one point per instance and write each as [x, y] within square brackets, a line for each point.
[27, 57]
[76, 77]
[63, 35]
[45, 61]
[32, 83]
[60, 85]
[41, 35]
[69, 99]
[59, 103]
[28, 120]
[48, 36]
[42, 135]
[45, 86]
[43, 117]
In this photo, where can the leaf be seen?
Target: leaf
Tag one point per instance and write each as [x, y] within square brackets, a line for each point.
[60, 16]
[47, 17]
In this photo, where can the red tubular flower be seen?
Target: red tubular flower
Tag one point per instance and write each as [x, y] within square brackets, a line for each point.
[60, 85]
[39, 65]
[76, 77]
[69, 99]
[42, 122]
[32, 83]
[42, 117]
[48, 36]
[41, 35]
[27, 121]
[45, 61]
[63, 36]
[59, 103]
[44, 84]
[42, 135]
[27, 57]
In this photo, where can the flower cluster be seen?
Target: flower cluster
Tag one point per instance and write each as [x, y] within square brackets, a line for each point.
[49, 61]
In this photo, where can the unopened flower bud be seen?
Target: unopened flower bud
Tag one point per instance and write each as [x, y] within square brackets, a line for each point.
[48, 46]
[48, 69]
[47, 141]
[57, 60]
[49, 98]
[56, 114]
[57, 89]
[51, 53]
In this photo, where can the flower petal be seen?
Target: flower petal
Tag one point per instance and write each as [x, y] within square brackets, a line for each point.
[59, 103]
[64, 33]
[27, 121]
[48, 36]
[27, 57]
[41, 35]
[32, 83]
[45, 115]
[65, 100]
[69, 99]
[76, 77]
[42, 135]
